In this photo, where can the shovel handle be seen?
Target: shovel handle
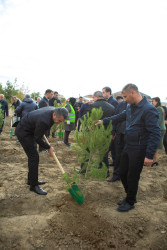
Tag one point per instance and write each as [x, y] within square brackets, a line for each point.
[55, 157]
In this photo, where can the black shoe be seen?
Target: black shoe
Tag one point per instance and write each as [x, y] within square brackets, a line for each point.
[38, 190]
[53, 135]
[39, 182]
[113, 179]
[125, 207]
[155, 163]
[123, 201]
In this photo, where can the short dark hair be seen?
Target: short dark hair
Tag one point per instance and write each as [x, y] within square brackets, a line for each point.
[27, 96]
[157, 99]
[48, 91]
[130, 86]
[98, 94]
[119, 97]
[108, 89]
[55, 92]
[80, 97]
[61, 111]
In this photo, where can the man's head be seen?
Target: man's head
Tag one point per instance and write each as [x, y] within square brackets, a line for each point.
[27, 96]
[119, 98]
[38, 99]
[14, 98]
[80, 99]
[56, 94]
[131, 94]
[1, 97]
[48, 93]
[98, 95]
[60, 115]
[106, 92]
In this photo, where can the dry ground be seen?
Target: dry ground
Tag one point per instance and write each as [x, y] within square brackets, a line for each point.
[30, 221]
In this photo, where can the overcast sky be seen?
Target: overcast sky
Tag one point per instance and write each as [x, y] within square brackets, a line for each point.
[77, 47]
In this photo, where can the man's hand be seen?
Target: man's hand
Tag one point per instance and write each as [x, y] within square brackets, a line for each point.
[51, 150]
[148, 162]
[112, 137]
[99, 122]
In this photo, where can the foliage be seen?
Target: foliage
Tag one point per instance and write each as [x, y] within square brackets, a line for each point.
[10, 90]
[92, 143]
[34, 95]
[69, 180]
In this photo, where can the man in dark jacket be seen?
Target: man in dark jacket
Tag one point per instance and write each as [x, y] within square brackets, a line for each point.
[26, 106]
[107, 93]
[4, 107]
[16, 102]
[54, 98]
[117, 134]
[142, 136]
[30, 131]
[44, 102]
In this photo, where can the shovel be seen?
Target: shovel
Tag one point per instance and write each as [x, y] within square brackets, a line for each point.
[74, 190]
[11, 130]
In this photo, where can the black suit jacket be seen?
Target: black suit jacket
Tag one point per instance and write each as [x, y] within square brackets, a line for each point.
[44, 102]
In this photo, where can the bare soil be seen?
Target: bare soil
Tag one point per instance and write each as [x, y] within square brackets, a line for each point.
[55, 221]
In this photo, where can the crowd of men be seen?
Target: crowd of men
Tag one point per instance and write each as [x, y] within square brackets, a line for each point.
[136, 134]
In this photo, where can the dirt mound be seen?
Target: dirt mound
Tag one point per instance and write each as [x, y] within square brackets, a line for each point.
[56, 221]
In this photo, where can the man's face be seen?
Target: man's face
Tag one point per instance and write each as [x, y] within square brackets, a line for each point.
[38, 99]
[14, 100]
[105, 94]
[128, 96]
[50, 95]
[80, 99]
[95, 98]
[58, 120]
[56, 95]
[1, 97]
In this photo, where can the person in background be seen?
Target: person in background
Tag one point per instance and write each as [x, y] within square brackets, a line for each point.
[84, 108]
[54, 98]
[77, 108]
[38, 101]
[4, 107]
[44, 102]
[26, 106]
[69, 125]
[118, 134]
[165, 136]
[142, 135]
[156, 102]
[30, 132]
[107, 93]
[119, 98]
[16, 102]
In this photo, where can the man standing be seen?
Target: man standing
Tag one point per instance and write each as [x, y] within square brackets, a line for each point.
[16, 102]
[54, 98]
[4, 107]
[44, 102]
[142, 136]
[30, 131]
[107, 93]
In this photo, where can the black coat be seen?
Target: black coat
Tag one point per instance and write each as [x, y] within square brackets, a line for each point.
[4, 107]
[119, 128]
[44, 102]
[35, 124]
[108, 109]
[25, 107]
[51, 101]
[16, 104]
[113, 101]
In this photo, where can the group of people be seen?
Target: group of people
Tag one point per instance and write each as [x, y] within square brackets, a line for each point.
[139, 130]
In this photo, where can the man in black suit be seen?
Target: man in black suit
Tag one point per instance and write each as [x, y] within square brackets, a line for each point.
[30, 132]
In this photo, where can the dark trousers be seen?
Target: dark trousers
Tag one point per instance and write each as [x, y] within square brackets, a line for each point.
[119, 146]
[165, 142]
[66, 135]
[131, 165]
[113, 151]
[30, 149]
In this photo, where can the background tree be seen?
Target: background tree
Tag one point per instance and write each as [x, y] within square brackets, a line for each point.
[34, 95]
